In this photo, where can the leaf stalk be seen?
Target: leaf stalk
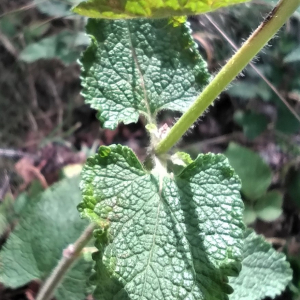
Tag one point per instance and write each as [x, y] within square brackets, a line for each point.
[70, 255]
[258, 39]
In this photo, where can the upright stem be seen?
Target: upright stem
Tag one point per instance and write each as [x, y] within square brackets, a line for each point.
[70, 255]
[268, 28]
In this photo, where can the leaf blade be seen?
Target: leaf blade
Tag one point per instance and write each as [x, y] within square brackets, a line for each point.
[25, 257]
[272, 271]
[148, 9]
[140, 67]
[165, 239]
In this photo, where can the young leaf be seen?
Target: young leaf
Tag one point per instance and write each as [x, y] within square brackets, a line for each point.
[178, 161]
[255, 174]
[150, 9]
[62, 46]
[249, 214]
[10, 210]
[268, 207]
[265, 272]
[47, 226]
[140, 66]
[55, 8]
[43, 49]
[293, 57]
[253, 123]
[247, 89]
[169, 238]
[286, 122]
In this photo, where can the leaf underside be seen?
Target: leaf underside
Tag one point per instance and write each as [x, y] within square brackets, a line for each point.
[47, 226]
[135, 67]
[128, 9]
[168, 238]
[265, 272]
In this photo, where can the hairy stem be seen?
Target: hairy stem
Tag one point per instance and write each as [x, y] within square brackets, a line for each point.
[70, 255]
[268, 28]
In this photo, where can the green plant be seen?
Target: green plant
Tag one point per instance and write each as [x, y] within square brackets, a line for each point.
[63, 46]
[171, 227]
[55, 8]
[51, 217]
[275, 90]
[29, 42]
[256, 179]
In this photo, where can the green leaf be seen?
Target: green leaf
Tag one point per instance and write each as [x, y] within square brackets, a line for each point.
[268, 207]
[61, 46]
[56, 8]
[169, 237]
[47, 226]
[247, 89]
[255, 174]
[249, 214]
[9, 24]
[6, 213]
[182, 157]
[178, 161]
[265, 272]
[286, 122]
[243, 89]
[253, 124]
[10, 209]
[128, 9]
[35, 30]
[294, 56]
[140, 66]
[45, 48]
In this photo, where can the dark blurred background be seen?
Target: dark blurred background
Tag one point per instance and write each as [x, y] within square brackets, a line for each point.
[45, 125]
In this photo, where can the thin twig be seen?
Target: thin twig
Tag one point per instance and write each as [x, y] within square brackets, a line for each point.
[32, 90]
[22, 8]
[57, 100]
[70, 255]
[8, 45]
[276, 241]
[32, 121]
